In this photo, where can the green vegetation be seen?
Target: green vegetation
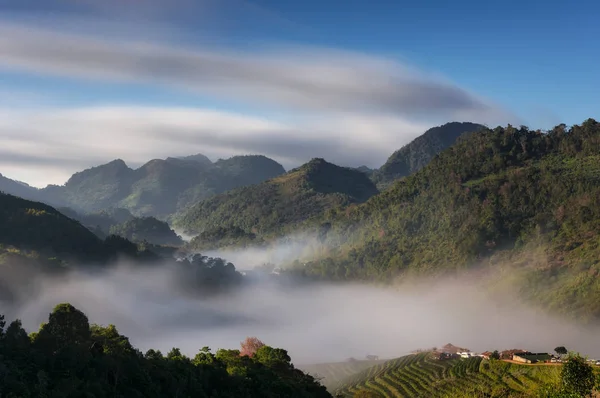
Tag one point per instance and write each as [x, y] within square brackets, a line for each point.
[68, 357]
[419, 152]
[420, 375]
[35, 233]
[524, 203]
[277, 205]
[147, 229]
[36, 227]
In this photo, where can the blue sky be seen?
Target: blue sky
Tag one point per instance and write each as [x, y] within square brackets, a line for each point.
[85, 82]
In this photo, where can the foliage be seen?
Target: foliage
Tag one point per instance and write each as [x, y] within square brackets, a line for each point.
[561, 350]
[147, 229]
[419, 152]
[67, 357]
[250, 346]
[577, 376]
[282, 202]
[495, 355]
[33, 226]
[203, 275]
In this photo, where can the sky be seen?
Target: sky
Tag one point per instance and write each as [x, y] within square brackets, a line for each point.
[85, 82]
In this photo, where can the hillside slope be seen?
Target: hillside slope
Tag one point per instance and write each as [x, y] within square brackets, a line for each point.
[284, 201]
[419, 152]
[420, 375]
[508, 196]
[33, 226]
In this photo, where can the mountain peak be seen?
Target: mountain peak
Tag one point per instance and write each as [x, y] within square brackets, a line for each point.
[417, 153]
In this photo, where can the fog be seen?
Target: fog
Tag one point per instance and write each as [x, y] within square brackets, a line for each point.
[315, 322]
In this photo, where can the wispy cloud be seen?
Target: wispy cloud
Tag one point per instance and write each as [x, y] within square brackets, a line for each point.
[62, 141]
[306, 78]
[348, 107]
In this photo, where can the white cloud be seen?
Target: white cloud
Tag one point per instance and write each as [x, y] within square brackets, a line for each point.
[347, 107]
[47, 145]
[312, 79]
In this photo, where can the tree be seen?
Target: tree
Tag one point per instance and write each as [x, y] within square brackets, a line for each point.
[577, 376]
[250, 346]
[561, 350]
[495, 355]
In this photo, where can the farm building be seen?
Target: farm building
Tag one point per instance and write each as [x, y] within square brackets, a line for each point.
[467, 354]
[508, 354]
[529, 357]
[443, 355]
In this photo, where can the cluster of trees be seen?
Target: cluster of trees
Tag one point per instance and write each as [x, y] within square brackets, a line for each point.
[205, 275]
[68, 357]
[149, 229]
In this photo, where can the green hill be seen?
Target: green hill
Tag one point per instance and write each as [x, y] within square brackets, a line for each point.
[524, 199]
[419, 152]
[33, 226]
[36, 233]
[420, 375]
[282, 202]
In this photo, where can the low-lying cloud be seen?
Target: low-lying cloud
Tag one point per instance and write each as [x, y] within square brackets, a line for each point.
[315, 323]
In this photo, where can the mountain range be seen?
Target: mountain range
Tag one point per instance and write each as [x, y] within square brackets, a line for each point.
[524, 199]
[159, 188]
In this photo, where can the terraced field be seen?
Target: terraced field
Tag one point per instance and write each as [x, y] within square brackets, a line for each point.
[331, 374]
[420, 375]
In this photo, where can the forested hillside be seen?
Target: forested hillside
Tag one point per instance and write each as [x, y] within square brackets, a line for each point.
[38, 232]
[278, 204]
[419, 152]
[509, 195]
[68, 357]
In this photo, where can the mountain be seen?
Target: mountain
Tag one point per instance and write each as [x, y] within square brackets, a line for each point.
[525, 199]
[419, 152]
[198, 158]
[18, 188]
[284, 201]
[99, 187]
[160, 188]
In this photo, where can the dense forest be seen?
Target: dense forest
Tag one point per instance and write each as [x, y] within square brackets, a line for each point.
[68, 357]
[503, 196]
